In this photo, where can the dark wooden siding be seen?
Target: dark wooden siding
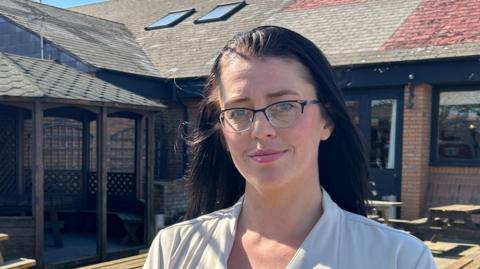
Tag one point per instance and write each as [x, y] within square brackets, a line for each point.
[21, 237]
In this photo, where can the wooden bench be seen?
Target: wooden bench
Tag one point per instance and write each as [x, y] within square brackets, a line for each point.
[3, 237]
[440, 247]
[18, 264]
[132, 262]
[396, 223]
[131, 223]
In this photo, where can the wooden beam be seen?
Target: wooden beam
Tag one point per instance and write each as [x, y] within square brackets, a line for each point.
[85, 158]
[37, 181]
[139, 161]
[102, 142]
[150, 227]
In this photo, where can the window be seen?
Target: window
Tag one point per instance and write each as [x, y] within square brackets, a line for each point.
[457, 133]
[171, 19]
[221, 12]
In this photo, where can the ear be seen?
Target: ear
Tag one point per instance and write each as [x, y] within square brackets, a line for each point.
[329, 125]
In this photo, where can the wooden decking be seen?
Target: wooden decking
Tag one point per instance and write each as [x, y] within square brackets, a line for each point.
[133, 262]
[447, 255]
[455, 256]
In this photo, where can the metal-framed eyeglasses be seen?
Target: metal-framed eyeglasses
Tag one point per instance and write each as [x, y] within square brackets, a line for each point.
[281, 114]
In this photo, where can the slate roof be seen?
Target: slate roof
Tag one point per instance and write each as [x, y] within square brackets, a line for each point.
[188, 49]
[34, 78]
[101, 43]
[350, 32]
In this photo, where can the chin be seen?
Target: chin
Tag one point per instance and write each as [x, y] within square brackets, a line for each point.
[268, 180]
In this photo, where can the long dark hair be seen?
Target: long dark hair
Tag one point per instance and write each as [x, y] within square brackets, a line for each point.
[214, 182]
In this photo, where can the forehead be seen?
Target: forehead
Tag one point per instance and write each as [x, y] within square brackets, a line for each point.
[250, 79]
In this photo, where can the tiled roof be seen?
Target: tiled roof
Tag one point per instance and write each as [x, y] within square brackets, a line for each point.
[187, 49]
[98, 42]
[28, 77]
[438, 23]
[350, 32]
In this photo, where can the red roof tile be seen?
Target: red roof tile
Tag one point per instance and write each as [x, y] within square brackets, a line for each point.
[438, 23]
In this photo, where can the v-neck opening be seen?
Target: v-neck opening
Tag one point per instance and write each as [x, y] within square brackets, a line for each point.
[300, 249]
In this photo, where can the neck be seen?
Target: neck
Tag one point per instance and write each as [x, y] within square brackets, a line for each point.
[286, 213]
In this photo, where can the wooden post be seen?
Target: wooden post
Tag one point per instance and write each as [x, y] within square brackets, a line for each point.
[20, 153]
[102, 141]
[139, 161]
[85, 158]
[37, 181]
[150, 227]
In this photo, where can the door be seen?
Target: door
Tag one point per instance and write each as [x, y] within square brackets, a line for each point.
[378, 116]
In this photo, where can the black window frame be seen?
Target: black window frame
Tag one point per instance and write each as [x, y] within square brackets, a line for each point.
[225, 16]
[188, 13]
[434, 161]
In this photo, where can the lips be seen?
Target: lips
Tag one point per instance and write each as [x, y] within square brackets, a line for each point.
[267, 155]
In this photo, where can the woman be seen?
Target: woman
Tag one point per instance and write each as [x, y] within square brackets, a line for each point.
[277, 156]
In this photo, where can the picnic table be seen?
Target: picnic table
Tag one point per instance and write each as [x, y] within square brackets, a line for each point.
[454, 215]
[383, 208]
[450, 220]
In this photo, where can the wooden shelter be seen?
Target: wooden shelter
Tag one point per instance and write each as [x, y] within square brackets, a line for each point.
[76, 171]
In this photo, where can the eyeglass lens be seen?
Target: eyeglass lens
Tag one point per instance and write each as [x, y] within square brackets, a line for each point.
[279, 115]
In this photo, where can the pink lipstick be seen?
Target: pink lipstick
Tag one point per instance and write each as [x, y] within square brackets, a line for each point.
[266, 155]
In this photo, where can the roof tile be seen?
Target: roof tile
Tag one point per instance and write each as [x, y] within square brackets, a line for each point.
[29, 77]
[98, 42]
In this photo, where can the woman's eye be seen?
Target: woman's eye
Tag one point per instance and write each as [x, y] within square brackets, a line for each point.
[284, 107]
[237, 113]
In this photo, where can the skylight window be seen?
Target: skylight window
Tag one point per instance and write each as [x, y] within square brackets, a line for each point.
[221, 12]
[171, 19]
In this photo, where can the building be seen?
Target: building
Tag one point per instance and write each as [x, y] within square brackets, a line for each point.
[410, 72]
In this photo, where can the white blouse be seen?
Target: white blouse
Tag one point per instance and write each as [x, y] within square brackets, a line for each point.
[339, 239]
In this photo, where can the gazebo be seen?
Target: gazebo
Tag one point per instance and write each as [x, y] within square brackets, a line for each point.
[76, 166]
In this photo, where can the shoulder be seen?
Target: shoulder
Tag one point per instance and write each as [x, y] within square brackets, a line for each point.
[199, 227]
[370, 230]
[188, 238]
[200, 224]
[385, 241]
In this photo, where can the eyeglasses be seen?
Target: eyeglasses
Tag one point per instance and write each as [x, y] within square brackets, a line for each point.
[280, 114]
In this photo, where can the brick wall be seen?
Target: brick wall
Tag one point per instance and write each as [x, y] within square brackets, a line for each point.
[170, 192]
[174, 197]
[448, 185]
[415, 152]
[168, 133]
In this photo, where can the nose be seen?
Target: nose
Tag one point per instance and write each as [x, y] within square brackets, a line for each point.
[261, 127]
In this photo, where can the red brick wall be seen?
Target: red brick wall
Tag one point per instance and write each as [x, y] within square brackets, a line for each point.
[168, 132]
[415, 152]
[170, 192]
[174, 197]
[449, 185]
[453, 185]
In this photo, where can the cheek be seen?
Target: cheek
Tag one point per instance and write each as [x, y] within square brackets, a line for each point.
[308, 134]
[234, 144]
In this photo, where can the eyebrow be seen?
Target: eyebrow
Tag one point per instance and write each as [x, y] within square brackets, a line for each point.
[270, 95]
